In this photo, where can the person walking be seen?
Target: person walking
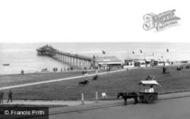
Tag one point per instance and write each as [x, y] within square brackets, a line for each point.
[1, 97]
[164, 70]
[10, 98]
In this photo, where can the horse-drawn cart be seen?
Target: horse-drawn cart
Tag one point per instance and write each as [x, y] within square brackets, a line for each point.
[148, 95]
[148, 92]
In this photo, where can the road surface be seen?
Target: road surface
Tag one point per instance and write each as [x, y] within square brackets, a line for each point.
[178, 108]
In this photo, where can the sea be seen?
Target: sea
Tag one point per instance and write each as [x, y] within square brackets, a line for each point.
[23, 56]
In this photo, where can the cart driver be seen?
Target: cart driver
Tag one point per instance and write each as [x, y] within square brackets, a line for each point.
[151, 90]
[150, 78]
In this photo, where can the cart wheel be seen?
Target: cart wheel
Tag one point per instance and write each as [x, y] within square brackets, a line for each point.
[151, 99]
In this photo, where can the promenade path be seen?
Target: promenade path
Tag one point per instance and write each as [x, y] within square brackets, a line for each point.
[46, 103]
[169, 106]
[89, 104]
[56, 80]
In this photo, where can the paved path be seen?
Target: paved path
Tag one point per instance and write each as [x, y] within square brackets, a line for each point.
[46, 103]
[170, 107]
[55, 80]
[167, 107]
[89, 104]
[113, 103]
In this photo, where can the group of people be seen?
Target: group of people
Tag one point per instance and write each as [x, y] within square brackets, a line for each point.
[85, 73]
[55, 69]
[151, 89]
[10, 97]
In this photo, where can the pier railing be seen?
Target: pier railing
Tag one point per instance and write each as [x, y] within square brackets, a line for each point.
[76, 60]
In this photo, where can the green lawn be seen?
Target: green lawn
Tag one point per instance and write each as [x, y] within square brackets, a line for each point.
[110, 83]
[15, 79]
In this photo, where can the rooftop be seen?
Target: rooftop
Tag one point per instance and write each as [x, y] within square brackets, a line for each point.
[108, 59]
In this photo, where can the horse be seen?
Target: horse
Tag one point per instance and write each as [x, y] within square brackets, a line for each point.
[95, 77]
[83, 82]
[129, 95]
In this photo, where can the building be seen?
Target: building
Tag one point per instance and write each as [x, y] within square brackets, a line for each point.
[140, 62]
[108, 61]
[129, 63]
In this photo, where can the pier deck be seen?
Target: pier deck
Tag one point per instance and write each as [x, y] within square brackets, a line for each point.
[72, 59]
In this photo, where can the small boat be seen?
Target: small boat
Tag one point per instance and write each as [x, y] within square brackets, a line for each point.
[5, 64]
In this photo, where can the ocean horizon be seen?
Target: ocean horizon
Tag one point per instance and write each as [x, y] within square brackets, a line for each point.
[23, 56]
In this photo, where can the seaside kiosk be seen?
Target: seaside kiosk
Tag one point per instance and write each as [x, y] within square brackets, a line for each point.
[107, 62]
[139, 63]
[129, 63]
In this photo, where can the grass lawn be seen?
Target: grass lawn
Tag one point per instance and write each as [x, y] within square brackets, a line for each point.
[110, 83]
[15, 79]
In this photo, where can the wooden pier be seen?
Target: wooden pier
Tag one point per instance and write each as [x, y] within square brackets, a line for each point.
[79, 61]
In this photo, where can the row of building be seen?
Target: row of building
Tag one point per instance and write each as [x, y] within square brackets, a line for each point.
[109, 61]
[99, 62]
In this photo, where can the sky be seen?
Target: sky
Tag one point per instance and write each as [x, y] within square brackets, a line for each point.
[89, 21]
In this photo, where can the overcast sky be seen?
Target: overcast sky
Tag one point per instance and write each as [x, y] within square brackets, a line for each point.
[89, 21]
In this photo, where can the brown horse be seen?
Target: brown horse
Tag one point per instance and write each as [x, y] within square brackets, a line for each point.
[129, 95]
